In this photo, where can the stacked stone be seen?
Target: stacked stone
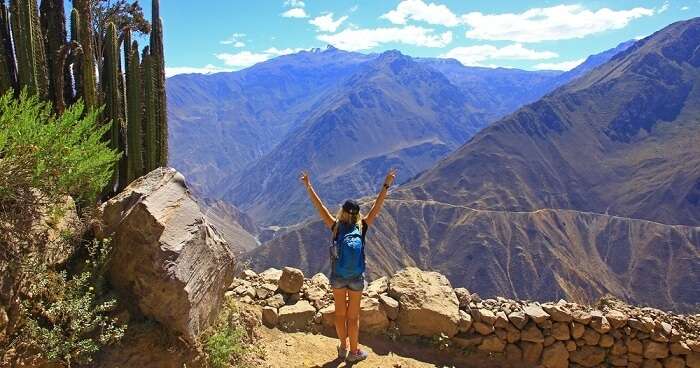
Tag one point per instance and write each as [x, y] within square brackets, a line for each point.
[414, 302]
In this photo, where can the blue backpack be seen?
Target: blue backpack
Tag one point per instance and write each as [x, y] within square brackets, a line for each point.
[348, 244]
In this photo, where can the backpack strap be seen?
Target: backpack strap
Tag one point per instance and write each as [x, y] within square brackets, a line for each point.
[334, 231]
[364, 230]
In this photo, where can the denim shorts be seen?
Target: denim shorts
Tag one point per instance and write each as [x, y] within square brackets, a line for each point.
[355, 284]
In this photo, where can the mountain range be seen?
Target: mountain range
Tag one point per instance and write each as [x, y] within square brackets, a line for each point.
[592, 189]
[346, 117]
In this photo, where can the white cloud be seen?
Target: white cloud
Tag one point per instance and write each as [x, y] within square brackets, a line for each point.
[208, 69]
[366, 38]
[236, 37]
[239, 44]
[663, 7]
[295, 13]
[554, 23]
[420, 11]
[294, 3]
[353, 9]
[325, 23]
[476, 55]
[564, 65]
[246, 58]
[684, 8]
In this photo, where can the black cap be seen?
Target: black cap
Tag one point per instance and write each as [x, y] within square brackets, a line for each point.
[351, 207]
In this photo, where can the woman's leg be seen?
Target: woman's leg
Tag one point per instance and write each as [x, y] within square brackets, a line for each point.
[339, 296]
[353, 317]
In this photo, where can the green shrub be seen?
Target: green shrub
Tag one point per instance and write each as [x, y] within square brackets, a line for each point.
[226, 343]
[61, 154]
[67, 317]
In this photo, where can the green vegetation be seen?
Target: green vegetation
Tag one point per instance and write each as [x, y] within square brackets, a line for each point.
[67, 320]
[227, 343]
[57, 155]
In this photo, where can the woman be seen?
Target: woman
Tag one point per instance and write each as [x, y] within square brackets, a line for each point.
[347, 291]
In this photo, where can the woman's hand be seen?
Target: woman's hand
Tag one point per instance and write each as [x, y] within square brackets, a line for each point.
[305, 178]
[390, 177]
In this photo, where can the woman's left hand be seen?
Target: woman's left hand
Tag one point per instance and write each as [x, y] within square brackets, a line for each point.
[390, 177]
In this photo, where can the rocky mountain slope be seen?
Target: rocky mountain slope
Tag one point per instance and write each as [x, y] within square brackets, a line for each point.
[591, 190]
[223, 122]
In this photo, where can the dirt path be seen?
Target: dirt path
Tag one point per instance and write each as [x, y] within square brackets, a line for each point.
[300, 349]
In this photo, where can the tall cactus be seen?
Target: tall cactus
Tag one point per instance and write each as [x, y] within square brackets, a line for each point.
[149, 118]
[77, 62]
[110, 82]
[23, 36]
[88, 81]
[159, 85]
[8, 77]
[53, 24]
[134, 108]
[41, 69]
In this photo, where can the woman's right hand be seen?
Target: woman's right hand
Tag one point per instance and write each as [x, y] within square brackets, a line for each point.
[305, 178]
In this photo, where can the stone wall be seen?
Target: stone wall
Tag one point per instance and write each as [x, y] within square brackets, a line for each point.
[420, 303]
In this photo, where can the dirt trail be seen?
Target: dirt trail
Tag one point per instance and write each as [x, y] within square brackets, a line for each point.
[301, 349]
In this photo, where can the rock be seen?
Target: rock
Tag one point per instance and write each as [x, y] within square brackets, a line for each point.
[634, 346]
[514, 353]
[651, 363]
[588, 356]
[531, 351]
[694, 345]
[378, 286]
[548, 340]
[166, 258]
[558, 313]
[55, 227]
[390, 305]
[591, 337]
[518, 319]
[555, 356]
[606, 341]
[680, 348]
[536, 313]
[249, 275]
[692, 360]
[577, 330]
[269, 316]
[291, 280]
[616, 318]
[328, 316]
[501, 320]
[483, 328]
[3, 319]
[512, 335]
[618, 361]
[296, 317]
[263, 292]
[674, 362]
[560, 331]
[581, 316]
[428, 305]
[373, 319]
[271, 275]
[618, 348]
[463, 297]
[321, 281]
[276, 301]
[531, 333]
[467, 342]
[599, 323]
[655, 350]
[316, 295]
[570, 345]
[465, 321]
[244, 290]
[486, 316]
[492, 344]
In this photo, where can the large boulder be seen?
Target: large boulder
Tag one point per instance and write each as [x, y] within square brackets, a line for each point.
[427, 304]
[291, 280]
[167, 259]
[373, 318]
[296, 317]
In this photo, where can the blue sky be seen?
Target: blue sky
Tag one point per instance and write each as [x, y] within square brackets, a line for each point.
[218, 35]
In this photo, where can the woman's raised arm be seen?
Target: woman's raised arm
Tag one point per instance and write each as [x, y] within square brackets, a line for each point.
[326, 216]
[377, 206]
